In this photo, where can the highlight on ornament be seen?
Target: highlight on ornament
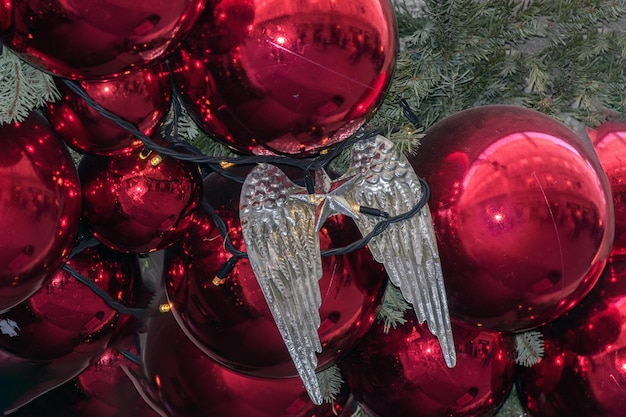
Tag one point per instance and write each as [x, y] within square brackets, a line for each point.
[140, 276]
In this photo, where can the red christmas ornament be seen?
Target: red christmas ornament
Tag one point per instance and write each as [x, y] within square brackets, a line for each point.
[402, 373]
[188, 383]
[583, 370]
[40, 204]
[522, 211]
[90, 39]
[286, 77]
[66, 314]
[608, 142]
[101, 390]
[5, 15]
[138, 201]
[230, 320]
[142, 98]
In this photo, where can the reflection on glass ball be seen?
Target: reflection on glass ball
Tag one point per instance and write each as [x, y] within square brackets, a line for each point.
[403, 373]
[286, 77]
[583, 370]
[523, 214]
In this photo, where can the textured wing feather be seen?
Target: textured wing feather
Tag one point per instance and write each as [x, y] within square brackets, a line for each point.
[407, 249]
[278, 227]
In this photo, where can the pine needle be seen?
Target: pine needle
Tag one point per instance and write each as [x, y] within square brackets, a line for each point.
[23, 88]
[529, 348]
[392, 309]
[330, 382]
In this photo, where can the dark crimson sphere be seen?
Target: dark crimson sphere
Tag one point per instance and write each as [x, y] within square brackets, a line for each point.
[286, 77]
[92, 39]
[142, 98]
[66, 314]
[583, 370]
[609, 143]
[188, 383]
[101, 390]
[523, 214]
[5, 15]
[138, 201]
[231, 321]
[40, 204]
[403, 373]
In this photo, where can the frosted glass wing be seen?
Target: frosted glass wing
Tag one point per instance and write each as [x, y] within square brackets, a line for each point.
[407, 249]
[278, 222]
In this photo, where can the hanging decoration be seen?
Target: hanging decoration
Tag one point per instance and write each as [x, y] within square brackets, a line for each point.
[40, 201]
[65, 315]
[90, 39]
[280, 220]
[609, 143]
[101, 390]
[188, 383]
[142, 98]
[403, 372]
[582, 372]
[226, 314]
[286, 77]
[523, 214]
[138, 201]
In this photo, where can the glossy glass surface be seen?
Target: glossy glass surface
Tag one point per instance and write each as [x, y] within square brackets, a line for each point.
[609, 142]
[523, 214]
[188, 383]
[101, 390]
[583, 371]
[137, 202]
[403, 373]
[66, 314]
[40, 204]
[283, 76]
[232, 323]
[142, 98]
[94, 39]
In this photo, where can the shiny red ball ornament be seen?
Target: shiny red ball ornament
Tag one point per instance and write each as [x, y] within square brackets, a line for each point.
[91, 39]
[66, 314]
[101, 390]
[142, 98]
[608, 141]
[286, 77]
[229, 319]
[402, 372]
[188, 383]
[138, 201]
[583, 369]
[523, 214]
[40, 203]
[5, 15]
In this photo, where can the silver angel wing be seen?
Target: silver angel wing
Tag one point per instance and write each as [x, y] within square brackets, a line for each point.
[278, 220]
[407, 249]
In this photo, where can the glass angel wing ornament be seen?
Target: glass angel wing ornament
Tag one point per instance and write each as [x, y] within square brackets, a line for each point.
[278, 220]
[386, 181]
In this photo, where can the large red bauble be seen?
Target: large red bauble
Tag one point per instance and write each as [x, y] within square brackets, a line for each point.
[101, 390]
[142, 98]
[609, 143]
[522, 211]
[40, 202]
[232, 323]
[138, 201]
[286, 77]
[66, 314]
[583, 370]
[190, 384]
[93, 39]
[402, 373]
